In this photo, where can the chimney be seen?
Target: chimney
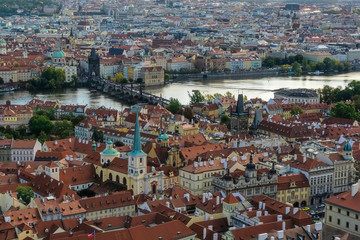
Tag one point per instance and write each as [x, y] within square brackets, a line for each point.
[69, 139]
[55, 142]
[217, 200]
[203, 197]
[308, 228]
[287, 210]
[204, 233]
[206, 217]
[215, 236]
[211, 227]
[272, 238]
[355, 188]
[258, 213]
[263, 206]
[295, 157]
[266, 213]
[304, 158]
[262, 236]
[283, 226]
[318, 226]
[295, 210]
[280, 234]
[279, 218]
[260, 205]
[167, 204]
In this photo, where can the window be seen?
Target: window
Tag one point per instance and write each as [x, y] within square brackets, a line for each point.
[347, 213]
[330, 218]
[347, 224]
[339, 210]
[338, 221]
[330, 207]
[356, 227]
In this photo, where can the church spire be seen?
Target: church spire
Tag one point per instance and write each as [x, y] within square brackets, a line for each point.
[137, 151]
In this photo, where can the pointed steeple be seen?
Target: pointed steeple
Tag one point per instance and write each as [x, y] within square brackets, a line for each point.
[137, 151]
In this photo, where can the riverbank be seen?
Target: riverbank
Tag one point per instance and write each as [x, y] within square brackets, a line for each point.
[223, 75]
[258, 74]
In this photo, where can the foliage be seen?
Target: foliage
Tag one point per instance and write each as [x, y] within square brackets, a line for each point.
[119, 78]
[196, 97]
[174, 105]
[43, 137]
[332, 95]
[25, 193]
[1, 81]
[7, 7]
[296, 110]
[188, 113]
[344, 110]
[63, 129]
[166, 77]
[298, 64]
[225, 119]
[48, 113]
[50, 79]
[98, 135]
[72, 118]
[40, 123]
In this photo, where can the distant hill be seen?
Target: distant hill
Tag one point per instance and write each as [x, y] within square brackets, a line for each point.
[11, 7]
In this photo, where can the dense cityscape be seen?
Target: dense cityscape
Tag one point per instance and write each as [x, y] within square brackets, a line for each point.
[212, 165]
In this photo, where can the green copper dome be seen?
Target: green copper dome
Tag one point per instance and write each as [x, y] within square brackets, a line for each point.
[59, 54]
[2, 41]
[348, 147]
[110, 151]
[163, 137]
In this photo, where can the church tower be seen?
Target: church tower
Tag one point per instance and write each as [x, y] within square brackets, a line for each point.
[3, 50]
[25, 52]
[52, 170]
[137, 161]
[72, 39]
[347, 151]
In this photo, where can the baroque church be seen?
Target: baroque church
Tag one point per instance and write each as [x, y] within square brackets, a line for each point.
[133, 172]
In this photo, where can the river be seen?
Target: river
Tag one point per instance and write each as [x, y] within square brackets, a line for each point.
[252, 88]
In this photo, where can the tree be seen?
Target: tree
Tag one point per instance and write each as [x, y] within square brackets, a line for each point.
[37, 124]
[119, 78]
[188, 113]
[296, 110]
[327, 94]
[296, 67]
[64, 129]
[174, 105]
[166, 77]
[1, 81]
[285, 68]
[343, 110]
[74, 81]
[75, 120]
[196, 97]
[25, 193]
[43, 137]
[225, 119]
[229, 95]
[98, 135]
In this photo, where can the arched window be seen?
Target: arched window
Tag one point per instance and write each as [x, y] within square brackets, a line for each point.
[110, 177]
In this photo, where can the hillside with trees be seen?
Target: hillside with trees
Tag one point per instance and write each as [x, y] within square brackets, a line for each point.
[10, 7]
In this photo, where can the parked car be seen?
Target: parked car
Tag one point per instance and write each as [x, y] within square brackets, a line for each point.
[305, 209]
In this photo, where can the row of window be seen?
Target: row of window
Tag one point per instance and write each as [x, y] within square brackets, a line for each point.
[356, 227]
